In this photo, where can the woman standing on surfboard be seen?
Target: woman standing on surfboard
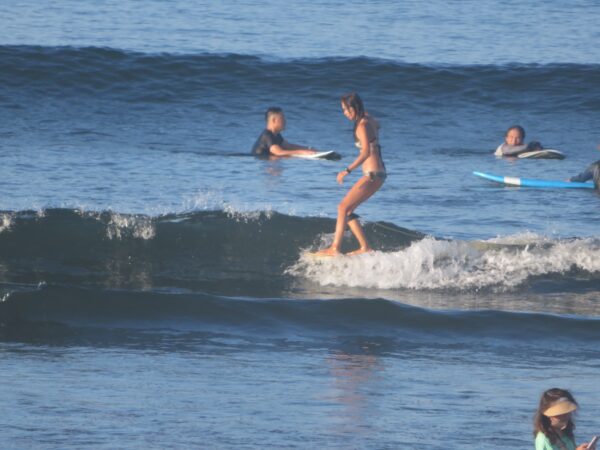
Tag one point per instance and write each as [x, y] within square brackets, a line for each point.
[366, 136]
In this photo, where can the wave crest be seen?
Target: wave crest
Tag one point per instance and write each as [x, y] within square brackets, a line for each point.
[165, 78]
[499, 264]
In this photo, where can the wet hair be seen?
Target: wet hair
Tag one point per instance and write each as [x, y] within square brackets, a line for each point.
[542, 422]
[519, 128]
[272, 111]
[353, 101]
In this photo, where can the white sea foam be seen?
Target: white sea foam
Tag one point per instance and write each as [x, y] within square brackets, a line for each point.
[124, 225]
[139, 227]
[203, 200]
[5, 222]
[215, 200]
[501, 264]
[246, 216]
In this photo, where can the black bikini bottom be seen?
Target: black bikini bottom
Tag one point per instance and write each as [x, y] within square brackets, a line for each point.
[376, 175]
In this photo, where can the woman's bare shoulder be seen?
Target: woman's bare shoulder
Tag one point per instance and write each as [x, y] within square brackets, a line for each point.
[369, 119]
[375, 122]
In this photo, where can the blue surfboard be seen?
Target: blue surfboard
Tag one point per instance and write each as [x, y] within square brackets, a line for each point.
[530, 182]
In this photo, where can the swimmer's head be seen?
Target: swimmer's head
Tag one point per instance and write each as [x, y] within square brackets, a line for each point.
[353, 107]
[515, 135]
[555, 412]
[275, 119]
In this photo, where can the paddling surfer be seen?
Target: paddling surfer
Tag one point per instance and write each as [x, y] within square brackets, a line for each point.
[513, 143]
[272, 143]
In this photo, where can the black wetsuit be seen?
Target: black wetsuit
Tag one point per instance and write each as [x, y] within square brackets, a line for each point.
[265, 141]
[591, 172]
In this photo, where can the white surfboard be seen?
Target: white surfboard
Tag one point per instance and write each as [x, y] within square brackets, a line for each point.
[521, 151]
[546, 153]
[316, 255]
[320, 155]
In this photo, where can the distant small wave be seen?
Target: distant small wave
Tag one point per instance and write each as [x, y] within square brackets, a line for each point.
[166, 78]
[52, 313]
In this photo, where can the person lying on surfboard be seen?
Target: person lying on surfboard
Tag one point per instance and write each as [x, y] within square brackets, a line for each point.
[366, 137]
[591, 172]
[272, 143]
[513, 143]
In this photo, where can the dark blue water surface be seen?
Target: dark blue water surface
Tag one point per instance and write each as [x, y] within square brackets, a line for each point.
[155, 290]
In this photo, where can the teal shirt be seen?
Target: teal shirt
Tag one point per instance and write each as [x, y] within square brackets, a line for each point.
[543, 443]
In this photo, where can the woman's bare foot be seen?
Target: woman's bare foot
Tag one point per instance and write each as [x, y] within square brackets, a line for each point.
[360, 251]
[328, 252]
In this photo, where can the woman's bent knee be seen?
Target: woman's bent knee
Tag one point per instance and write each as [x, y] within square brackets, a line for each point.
[343, 209]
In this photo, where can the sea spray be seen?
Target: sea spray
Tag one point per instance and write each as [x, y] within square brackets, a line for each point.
[500, 264]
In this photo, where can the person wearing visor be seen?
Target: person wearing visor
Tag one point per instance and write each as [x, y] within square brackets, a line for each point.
[553, 422]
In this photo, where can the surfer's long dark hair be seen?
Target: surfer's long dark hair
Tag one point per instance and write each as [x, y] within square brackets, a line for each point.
[542, 423]
[353, 101]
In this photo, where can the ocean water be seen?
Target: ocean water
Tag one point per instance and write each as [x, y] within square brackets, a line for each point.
[155, 290]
